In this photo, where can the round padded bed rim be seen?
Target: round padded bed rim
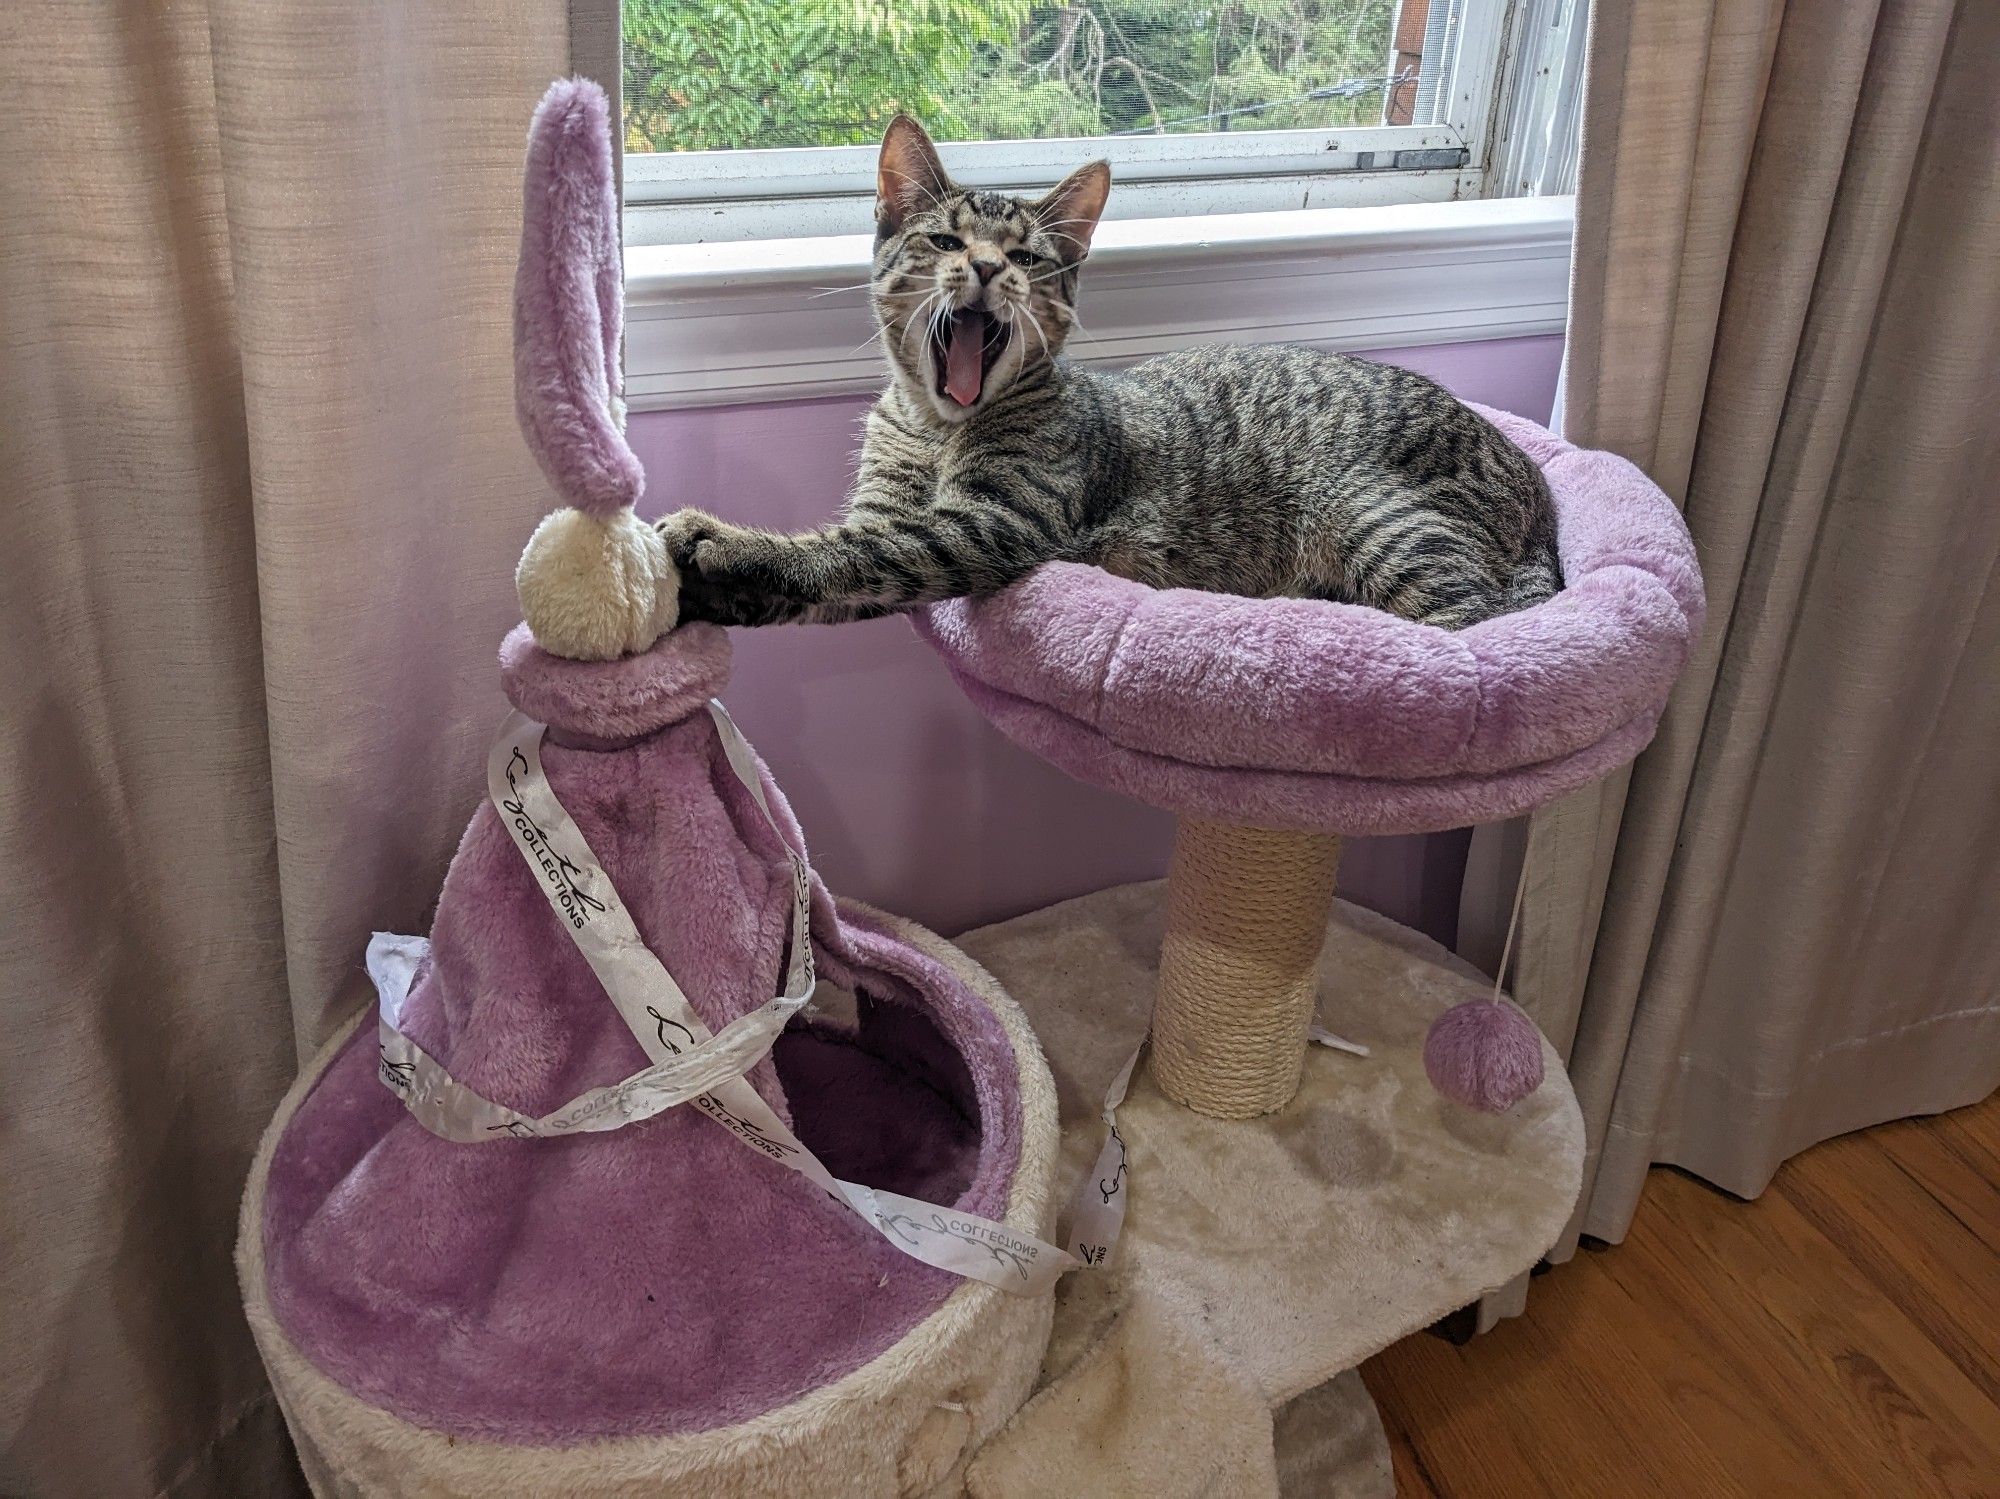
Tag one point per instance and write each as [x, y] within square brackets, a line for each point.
[1351, 806]
[1191, 680]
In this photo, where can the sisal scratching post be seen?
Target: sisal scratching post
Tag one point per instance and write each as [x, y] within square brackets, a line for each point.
[1246, 916]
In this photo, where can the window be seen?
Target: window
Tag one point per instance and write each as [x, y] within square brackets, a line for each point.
[757, 119]
[1304, 169]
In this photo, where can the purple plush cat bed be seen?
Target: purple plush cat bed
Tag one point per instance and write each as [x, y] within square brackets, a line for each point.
[1274, 726]
[461, 1280]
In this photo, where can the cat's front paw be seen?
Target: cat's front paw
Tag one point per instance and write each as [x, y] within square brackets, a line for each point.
[719, 554]
[741, 557]
[730, 575]
[685, 530]
[699, 543]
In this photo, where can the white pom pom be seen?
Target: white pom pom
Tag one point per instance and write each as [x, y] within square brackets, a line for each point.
[594, 589]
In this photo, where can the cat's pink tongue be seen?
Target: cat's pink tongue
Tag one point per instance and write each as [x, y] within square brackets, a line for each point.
[965, 357]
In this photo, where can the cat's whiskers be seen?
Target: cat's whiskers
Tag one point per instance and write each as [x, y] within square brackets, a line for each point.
[942, 313]
[1075, 322]
[933, 196]
[929, 315]
[910, 320]
[863, 344]
[1018, 312]
[869, 286]
[1040, 276]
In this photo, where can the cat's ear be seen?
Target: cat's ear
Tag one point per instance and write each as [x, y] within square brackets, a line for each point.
[1071, 210]
[908, 175]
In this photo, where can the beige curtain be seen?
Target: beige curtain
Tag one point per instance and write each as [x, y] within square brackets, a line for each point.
[260, 497]
[1785, 923]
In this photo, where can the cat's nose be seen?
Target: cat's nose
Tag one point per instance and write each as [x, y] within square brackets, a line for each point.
[987, 269]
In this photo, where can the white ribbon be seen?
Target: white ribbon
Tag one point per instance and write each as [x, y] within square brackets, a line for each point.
[449, 1109]
[690, 1063]
[1319, 1035]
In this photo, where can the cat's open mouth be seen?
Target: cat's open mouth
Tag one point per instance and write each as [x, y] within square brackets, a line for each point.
[963, 350]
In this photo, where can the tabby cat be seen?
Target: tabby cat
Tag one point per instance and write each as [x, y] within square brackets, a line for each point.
[1265, 471]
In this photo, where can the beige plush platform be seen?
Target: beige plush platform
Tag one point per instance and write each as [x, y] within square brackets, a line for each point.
[1262, 1258]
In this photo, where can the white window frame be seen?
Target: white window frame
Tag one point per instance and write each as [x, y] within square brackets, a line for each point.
[1337, 238]
[690, 197]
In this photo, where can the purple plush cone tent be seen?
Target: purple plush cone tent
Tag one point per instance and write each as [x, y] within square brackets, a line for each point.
[1314, 719]
[658, 1290]
[656, 1308]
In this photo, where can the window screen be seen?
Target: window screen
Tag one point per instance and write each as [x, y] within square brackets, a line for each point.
[706, 75]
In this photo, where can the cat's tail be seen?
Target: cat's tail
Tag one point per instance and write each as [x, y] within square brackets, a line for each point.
[569, 305]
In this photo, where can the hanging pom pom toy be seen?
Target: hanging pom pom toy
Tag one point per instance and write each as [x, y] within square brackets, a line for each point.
[1486, 1053]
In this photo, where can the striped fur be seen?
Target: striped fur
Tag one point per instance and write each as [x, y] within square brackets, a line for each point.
[1263, 471]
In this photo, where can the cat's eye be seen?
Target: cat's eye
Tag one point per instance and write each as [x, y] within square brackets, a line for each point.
[1023, 258]
[947, 241]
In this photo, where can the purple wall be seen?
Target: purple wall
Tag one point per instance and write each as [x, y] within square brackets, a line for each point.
[908, 798]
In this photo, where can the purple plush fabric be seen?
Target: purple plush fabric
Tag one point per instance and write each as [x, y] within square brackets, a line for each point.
[1304, 714]
[569, 303]
[549, 1291]
[602, 704]
[1484, 1054]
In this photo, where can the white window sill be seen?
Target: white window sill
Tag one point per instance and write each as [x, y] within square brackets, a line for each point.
[714, 324]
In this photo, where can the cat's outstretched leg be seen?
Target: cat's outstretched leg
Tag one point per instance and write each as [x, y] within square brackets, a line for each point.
[870, 564]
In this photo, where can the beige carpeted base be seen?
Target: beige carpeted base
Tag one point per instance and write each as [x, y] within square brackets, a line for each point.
[1261, 1258]
[1330, 1444]
[1262, 1261]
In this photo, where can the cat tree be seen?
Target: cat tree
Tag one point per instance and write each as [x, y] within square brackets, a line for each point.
[1273, 728]
[664, 1307]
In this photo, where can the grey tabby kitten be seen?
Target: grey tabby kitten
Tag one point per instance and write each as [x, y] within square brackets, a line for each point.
[1264, 471]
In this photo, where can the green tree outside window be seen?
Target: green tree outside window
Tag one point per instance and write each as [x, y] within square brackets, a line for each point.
[720, 74]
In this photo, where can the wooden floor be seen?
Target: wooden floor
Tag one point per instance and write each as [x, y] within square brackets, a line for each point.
[1840, 1335]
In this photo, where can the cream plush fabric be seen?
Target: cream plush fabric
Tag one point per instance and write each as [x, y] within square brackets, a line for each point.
[1261, 1258]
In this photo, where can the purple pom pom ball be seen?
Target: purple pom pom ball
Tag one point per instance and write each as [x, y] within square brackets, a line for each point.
[1484, 1054]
